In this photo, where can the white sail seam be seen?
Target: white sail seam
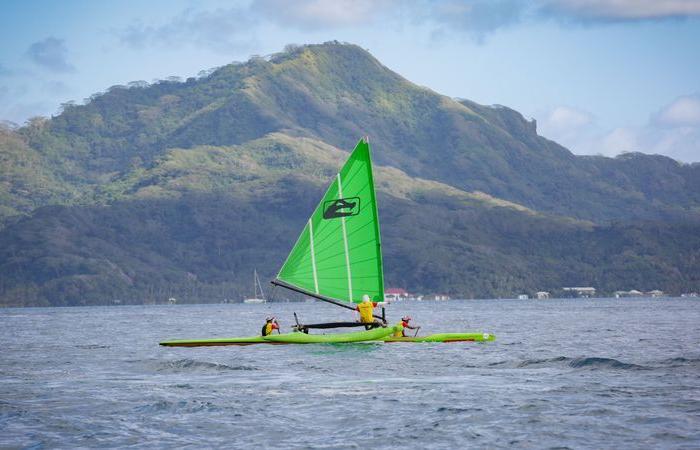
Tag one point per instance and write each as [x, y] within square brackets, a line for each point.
[345, 242]
[313, 254]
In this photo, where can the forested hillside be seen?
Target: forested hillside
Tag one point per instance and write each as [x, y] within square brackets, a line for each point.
[181, 188]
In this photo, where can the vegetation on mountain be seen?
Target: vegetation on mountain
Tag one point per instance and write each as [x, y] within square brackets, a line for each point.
[180, 189]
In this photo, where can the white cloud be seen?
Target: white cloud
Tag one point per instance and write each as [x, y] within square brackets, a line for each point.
[620, 140]
[673, 131]
[571, 127]
[477, 18]
[317, 14]
[621, 10]
[566, 117]
[222, 30]
[682, 112]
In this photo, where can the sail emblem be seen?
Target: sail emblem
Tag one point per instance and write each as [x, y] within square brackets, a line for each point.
[342, 207]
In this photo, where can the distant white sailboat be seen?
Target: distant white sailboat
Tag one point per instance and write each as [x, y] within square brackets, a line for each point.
[256, 286]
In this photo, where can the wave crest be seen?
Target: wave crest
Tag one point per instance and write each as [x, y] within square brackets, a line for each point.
[181, 365]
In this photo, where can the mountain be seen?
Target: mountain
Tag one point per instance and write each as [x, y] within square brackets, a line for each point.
[181, 188]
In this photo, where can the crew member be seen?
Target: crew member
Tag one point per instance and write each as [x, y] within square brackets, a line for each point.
[366, 310]
[406, 323]
[270, 325]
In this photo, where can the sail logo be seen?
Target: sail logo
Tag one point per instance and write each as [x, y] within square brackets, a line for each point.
[342, 207]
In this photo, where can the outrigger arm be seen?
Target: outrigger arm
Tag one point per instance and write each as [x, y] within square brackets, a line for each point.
[278, 282]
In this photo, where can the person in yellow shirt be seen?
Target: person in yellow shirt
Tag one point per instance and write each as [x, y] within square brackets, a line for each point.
[406, 325]
[366, 310]
[270, 325]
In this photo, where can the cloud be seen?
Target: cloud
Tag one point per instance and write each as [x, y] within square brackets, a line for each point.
[5, 72]
[52, 54]
[592, 11]
[320, 14]
[567, 117]
[233, 28]
[222, 30]
[474, 17]
[569, 126]
[673, 130]
[620, 140]
[682, 112]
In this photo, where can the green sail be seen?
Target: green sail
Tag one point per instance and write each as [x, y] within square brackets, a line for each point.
[338, 254]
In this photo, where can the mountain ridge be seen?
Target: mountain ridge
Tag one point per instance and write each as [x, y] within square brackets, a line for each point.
[150, 191]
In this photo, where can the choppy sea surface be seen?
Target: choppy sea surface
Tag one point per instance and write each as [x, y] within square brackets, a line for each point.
[600, 373]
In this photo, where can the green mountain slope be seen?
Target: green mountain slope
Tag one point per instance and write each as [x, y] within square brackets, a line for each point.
[182, 188]
[195, 224]
[335, 93]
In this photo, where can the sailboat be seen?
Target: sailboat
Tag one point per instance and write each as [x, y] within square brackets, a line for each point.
[338, 259]
[256, 285]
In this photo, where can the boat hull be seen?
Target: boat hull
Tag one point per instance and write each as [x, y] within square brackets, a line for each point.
[445, 337]
[289, 338]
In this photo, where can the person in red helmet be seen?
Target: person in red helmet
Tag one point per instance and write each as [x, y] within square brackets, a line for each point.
[406, 323]
[270, 325]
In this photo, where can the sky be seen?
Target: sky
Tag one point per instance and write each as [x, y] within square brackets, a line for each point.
[599, 76]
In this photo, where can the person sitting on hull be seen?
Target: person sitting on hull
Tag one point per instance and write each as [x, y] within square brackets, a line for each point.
[270, 325]
[406, 324]
[366, 310]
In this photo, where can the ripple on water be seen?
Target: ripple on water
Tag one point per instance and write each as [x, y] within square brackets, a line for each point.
[193, 365]
[96, 377]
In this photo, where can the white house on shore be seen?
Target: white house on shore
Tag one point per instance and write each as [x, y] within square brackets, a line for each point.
[439, 297]
[635, 293]
[583, 292]
[395, 294]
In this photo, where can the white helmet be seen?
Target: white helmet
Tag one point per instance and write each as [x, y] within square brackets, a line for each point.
[365, 298]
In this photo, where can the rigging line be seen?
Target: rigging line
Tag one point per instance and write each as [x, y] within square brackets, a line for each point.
[345, 243]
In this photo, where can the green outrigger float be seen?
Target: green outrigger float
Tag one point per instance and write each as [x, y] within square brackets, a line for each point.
[338, 259]
[444, 337]
[290, 338]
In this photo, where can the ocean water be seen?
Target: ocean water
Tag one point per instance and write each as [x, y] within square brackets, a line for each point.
[600, 373]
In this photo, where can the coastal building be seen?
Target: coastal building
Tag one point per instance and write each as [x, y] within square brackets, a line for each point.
[655, 293]
[439, 297]
[582, 292]
[632, 293]
[394, 294]
[542, 295]
[523, 297]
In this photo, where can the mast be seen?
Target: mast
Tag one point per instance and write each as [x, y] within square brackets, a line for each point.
[255, 283]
